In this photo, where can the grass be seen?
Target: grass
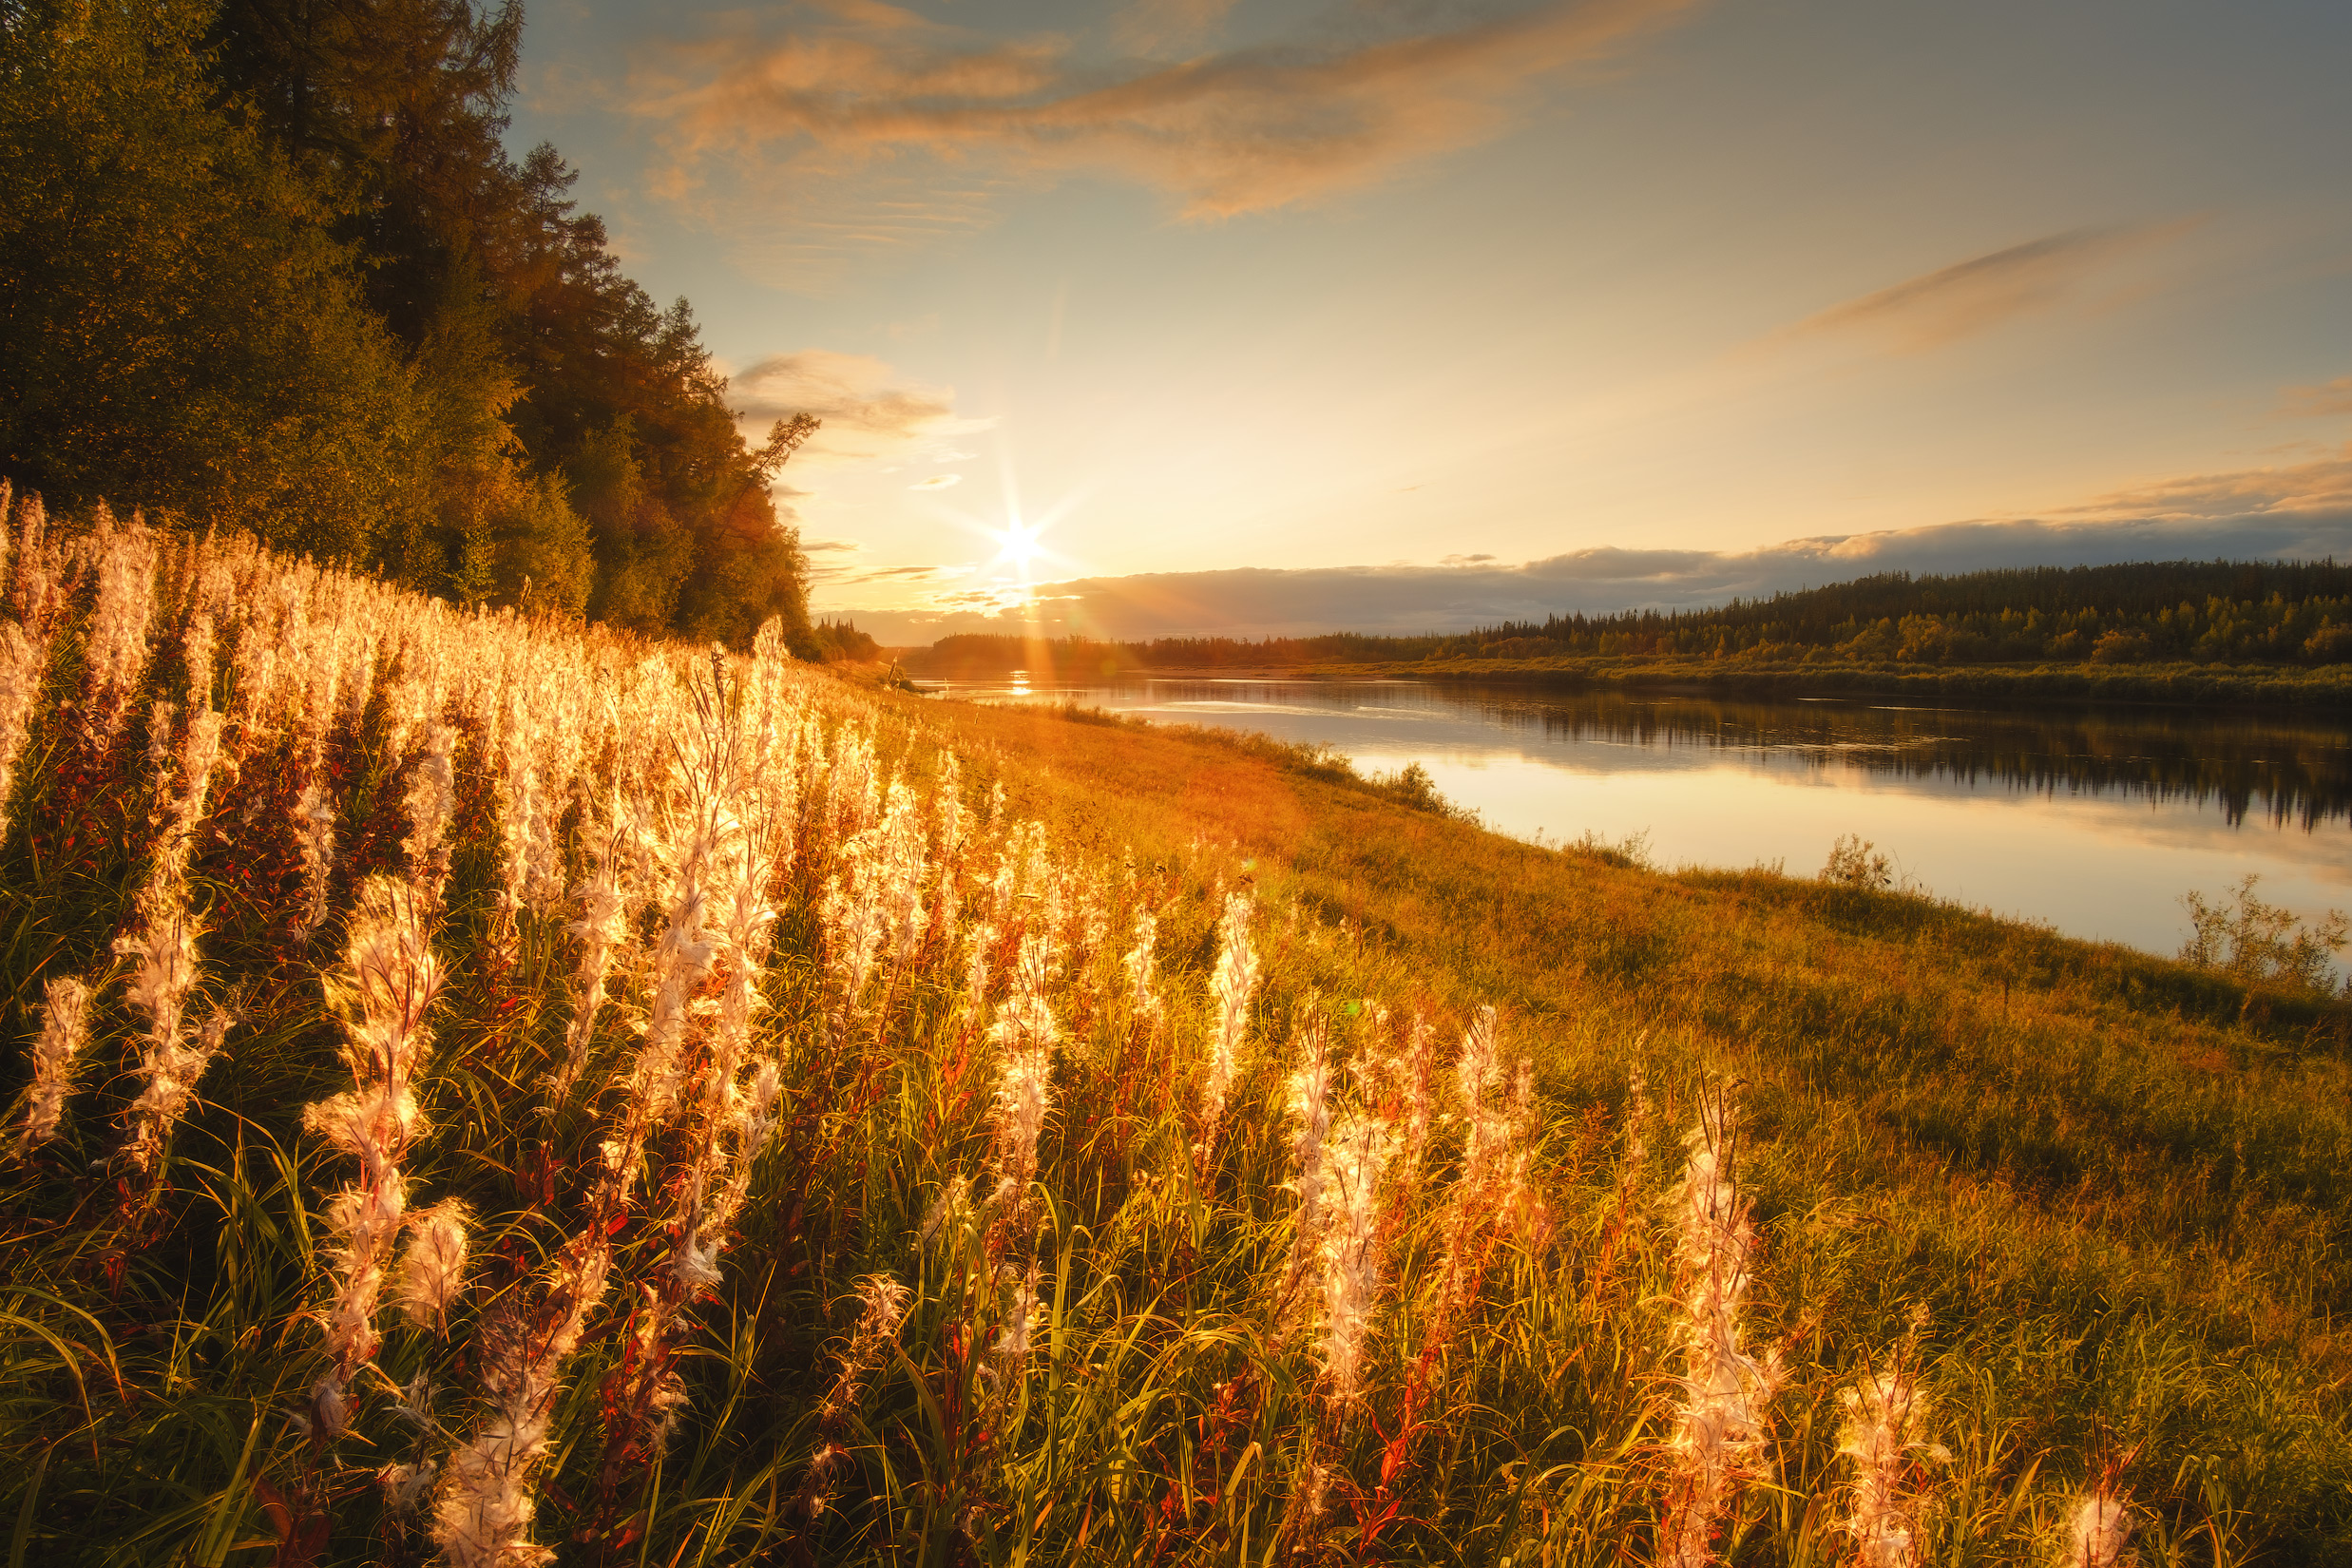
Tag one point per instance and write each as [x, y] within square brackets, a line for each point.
[2100, 1196]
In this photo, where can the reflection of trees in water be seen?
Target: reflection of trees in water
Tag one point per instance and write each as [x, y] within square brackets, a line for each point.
[2295, 771]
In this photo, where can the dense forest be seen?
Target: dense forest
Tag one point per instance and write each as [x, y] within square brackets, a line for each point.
[2204, 612]
[268, 263]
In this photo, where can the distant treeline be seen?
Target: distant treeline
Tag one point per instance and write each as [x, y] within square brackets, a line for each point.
[2207, 612]
[268, 263]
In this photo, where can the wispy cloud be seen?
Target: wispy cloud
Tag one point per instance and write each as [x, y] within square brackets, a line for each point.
[1985, 292]
[863, 414]
[908, 574]
[937, 482]
[1152, 27]
[830, 561]
[2317, 489]
[2324, 401]
[853, 92]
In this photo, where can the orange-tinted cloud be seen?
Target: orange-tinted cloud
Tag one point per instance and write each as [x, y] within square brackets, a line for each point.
[1975, 295]
[862, 85]
[863, 415]
[2319, 488]
[1151, 27]
[2324, 401]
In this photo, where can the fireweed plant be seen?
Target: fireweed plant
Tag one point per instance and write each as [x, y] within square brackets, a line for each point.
[498, 1093]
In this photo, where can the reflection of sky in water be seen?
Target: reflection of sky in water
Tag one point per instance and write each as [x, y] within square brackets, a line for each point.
[2094, 822]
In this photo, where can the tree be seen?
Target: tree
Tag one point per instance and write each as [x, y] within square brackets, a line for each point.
[474, 257]
[178, 326]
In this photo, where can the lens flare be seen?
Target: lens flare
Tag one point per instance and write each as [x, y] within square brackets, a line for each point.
[1017, 546]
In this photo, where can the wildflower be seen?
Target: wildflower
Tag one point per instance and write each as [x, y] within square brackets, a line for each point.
[1024, 1035]
[433, 1272]
[117, 646]
[1717, 1442]
[1310, 1117]
[382, 996]
[1479, 1074]
[601, 929]
[169, 1067]
[2102, 1526]
[1884, 1412]
[1236, 977]
[681, 962]
[882, 1306]
[406, 1486]
[1140, 967]
[947, 832]
[329, 1412]
[200, 748]
[482, 1516]
[1010, 1352]
[980, 946]
[314, 824]
[873, 903]
[954, 1198]
[23, 659]
[431, 802]
[64, 1030]
[1350, 1256]
[1419, 1102]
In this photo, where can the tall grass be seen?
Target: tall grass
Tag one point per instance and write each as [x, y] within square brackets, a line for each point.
[751, 1117]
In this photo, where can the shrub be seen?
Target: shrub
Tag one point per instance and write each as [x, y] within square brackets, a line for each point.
[1854, 862]
[2261, 942]
[2121, 647]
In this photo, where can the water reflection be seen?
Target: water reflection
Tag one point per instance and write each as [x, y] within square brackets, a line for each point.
[2286, 770]
[2093, 819]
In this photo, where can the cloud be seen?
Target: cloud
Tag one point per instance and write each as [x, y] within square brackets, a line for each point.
[1150, 27]
[864, 415]
[2303, 511]
[2326, 401]
[908, 574]
[2320, 489]
[1976, 296]
[830, 560]
[937, 482]
[881, 129]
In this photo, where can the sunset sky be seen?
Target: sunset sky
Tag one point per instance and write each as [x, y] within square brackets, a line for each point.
[1408, 314]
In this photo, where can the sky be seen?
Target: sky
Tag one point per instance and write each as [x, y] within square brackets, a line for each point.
[1167, 316]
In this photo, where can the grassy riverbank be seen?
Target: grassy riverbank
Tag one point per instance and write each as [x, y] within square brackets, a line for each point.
[896, 1131]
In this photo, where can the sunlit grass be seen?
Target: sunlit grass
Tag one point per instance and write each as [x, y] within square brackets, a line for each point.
[2093, 1198]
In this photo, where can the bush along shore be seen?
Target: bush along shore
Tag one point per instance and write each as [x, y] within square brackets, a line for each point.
[492, 1093]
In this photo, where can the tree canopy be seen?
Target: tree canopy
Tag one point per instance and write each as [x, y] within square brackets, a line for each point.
[268, 262]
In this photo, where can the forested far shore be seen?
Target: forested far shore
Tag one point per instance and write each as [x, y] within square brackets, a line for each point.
[2178, 630]
[268, 263]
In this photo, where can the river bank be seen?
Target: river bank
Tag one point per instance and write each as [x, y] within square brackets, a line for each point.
[2326, 689]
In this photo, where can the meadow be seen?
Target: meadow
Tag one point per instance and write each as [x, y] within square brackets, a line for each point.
[492, 1092]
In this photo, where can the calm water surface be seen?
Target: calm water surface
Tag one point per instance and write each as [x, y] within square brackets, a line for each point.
[2093, 820]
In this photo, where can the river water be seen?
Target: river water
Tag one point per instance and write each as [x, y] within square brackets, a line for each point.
[2093, 820]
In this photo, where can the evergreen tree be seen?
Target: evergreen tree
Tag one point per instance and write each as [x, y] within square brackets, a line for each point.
[179, 326]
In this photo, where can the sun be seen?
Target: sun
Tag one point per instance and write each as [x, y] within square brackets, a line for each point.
[1018, 545]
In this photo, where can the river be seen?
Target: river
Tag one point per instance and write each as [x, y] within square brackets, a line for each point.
[2093, 820]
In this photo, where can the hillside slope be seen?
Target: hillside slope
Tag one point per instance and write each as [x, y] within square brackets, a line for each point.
[889, 1130]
